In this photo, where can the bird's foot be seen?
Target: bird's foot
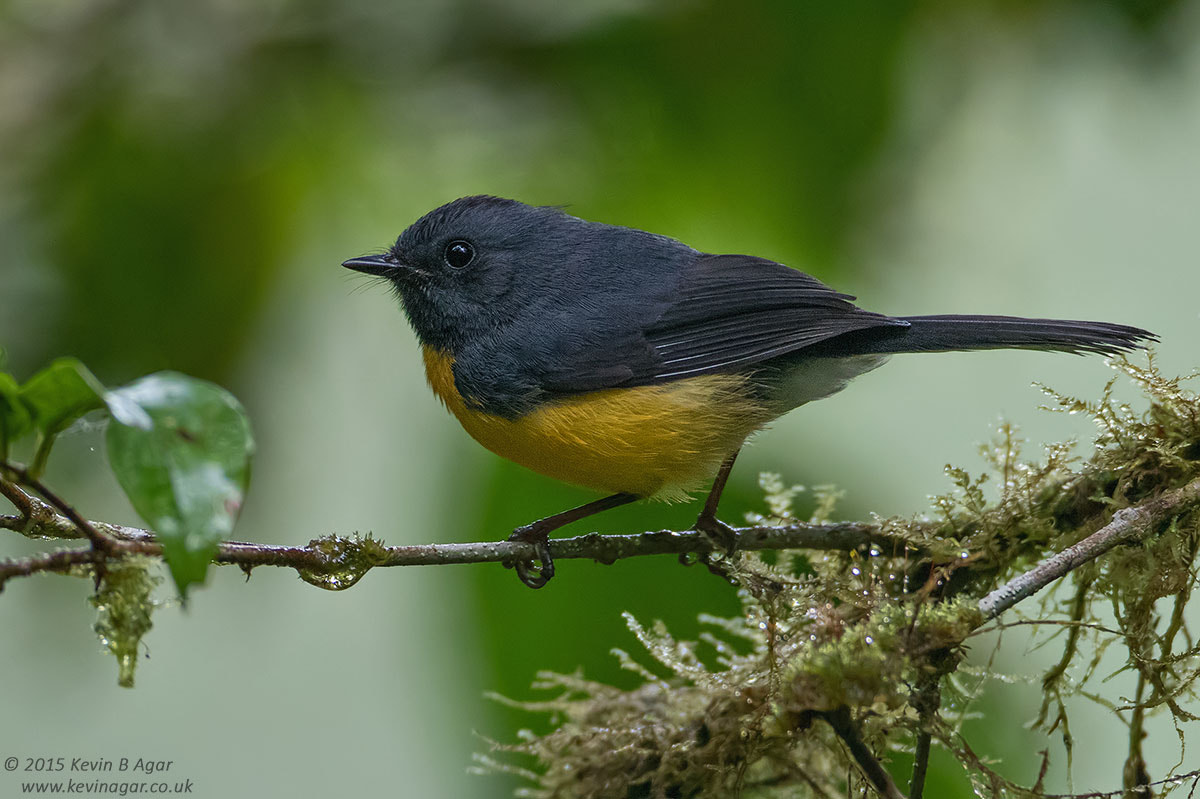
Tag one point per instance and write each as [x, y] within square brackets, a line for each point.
[534, 574]
[721, 535]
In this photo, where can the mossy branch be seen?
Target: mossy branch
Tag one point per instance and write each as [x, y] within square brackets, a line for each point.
[333, 555]
[868, 637]
[41, 520]
[881, 640]
[1127, 525]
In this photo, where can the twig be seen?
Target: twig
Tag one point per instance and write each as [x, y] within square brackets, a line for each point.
[954, 741]
[1051, 679]
[102, 545]
[927, 700]
[916, 789]
[99, 541]
[1135, 775]
[20, 500]
[874, 771]
[45, 521]
[593, 546]
[1127, 524]
[61, 561]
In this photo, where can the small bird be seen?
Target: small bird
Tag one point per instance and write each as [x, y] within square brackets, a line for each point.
[628, 362]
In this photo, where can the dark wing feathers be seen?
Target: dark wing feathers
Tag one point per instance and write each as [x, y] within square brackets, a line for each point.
[756, 341]
[711, 313]
[735, 310]
[715, 313]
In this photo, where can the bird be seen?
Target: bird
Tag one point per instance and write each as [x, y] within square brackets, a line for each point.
[630, 363]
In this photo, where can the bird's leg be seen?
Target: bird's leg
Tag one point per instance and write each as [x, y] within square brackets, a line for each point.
[538, 534]
[707, 522]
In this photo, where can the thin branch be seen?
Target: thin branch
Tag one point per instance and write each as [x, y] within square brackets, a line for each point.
[23, 476]
[1083, 625]
[592, 546]
[61, 561]
[916, 789]
[1127, 524]
[45, 521]
[873, 770]
[1135, 775]
[20, 500]
[927, 700]
[998, 784]
[1178, 779]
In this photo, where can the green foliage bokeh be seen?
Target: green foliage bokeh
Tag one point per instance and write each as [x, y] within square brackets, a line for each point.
[175, 174]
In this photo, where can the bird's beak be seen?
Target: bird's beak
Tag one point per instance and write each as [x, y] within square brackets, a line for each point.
[378, 265]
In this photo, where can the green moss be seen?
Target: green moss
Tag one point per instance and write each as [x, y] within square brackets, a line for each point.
[734, 712]
[123, 608]
[347, 559]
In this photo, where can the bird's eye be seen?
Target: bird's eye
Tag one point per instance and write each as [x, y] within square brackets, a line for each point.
[459, 254]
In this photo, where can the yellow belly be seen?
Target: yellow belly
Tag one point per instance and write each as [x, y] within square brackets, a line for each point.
[659, 441]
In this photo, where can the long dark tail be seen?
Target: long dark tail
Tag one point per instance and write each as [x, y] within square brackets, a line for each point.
[953, 332]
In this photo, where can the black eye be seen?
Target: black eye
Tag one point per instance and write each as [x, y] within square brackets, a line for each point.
[459, 254]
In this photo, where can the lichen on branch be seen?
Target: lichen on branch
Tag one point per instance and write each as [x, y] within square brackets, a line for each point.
[743, 709]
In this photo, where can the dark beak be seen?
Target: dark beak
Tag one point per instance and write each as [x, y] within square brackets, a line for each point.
[378, 265]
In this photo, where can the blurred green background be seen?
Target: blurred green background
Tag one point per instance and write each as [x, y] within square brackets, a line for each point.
[179, 183]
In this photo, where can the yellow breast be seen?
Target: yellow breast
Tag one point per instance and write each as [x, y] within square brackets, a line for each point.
[662, 440]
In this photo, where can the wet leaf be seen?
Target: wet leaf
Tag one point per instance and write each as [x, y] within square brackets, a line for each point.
[60, 394]
[14, 417]
[54, 398]
[180, 448]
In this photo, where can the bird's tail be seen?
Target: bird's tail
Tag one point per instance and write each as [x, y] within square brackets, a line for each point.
[968, 332]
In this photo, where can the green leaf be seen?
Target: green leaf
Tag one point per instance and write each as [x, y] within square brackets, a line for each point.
[60, 394]
[181, 449]
[55, 397]
[14, 417]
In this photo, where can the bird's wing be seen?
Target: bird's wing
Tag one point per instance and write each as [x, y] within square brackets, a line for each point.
[731, 311]
[719, 313]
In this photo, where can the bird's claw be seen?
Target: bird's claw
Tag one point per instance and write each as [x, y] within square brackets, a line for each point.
[534, 574]
[721, 535]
